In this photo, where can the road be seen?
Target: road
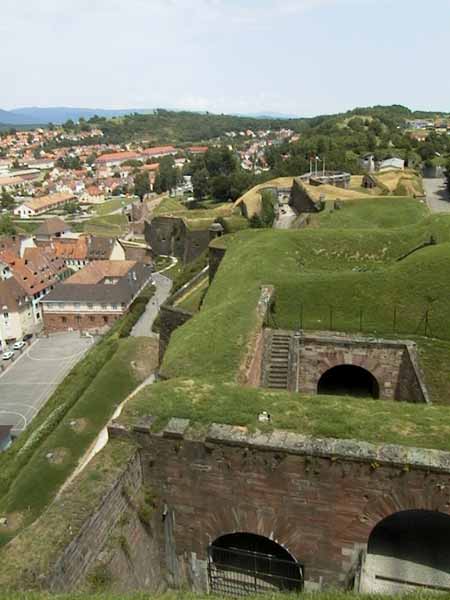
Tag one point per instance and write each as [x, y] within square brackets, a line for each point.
[438, 198]
[143, 327]
[28, 383]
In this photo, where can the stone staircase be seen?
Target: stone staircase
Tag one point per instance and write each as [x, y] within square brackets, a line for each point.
[277, 360]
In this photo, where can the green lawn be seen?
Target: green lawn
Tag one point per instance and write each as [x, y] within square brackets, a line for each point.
[40, 479]
[206, 401]
[39, 545]
[191, 300]
[108, 225]
[111, 205]
[385, 212]
[313, 270]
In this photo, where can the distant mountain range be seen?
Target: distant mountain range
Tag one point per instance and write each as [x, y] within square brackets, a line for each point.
[35, 115]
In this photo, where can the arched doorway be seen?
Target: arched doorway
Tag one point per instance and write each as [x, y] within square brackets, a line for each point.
[349, 380]
[245, 563]
[409, 549]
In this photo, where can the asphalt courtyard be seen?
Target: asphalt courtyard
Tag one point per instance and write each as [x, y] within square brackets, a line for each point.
[29, 381]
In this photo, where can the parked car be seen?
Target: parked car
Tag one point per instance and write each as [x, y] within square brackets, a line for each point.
[19, 345]
[7, 355]
[27, 337]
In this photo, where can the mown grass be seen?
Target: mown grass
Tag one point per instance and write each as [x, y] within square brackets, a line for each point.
[207, 401]
[28, 556]
[107, 225]
[348, 270]
[192, 299]
[111, 205]
[91, 390]
[384, 212]
[57, 457]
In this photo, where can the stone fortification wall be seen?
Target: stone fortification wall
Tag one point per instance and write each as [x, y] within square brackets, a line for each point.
[86, 554]
[171, 236]
[215, 257]
[170, 319]
[319, 499]
[301, 200]
[393, 364]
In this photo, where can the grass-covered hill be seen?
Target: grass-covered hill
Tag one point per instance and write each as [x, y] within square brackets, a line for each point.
[202, 217]
[348, 269]
[347, 262]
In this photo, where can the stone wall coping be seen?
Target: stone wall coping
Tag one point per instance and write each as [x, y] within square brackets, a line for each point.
[294, 443]
[342, 339]
[176, 428]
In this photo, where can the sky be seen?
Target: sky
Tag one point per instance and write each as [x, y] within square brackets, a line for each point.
[300, 57]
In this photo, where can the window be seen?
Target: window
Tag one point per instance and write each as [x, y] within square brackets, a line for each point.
[5, 314]
[64, 319]
[90, 305]
[91, 319]
[105, 319]
[114, 306]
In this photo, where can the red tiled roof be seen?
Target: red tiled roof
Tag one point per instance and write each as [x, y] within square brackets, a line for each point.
[159, 150]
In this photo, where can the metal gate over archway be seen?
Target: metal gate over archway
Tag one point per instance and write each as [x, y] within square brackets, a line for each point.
[236, 572]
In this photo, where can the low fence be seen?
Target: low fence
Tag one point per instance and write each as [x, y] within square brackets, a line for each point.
[373, 320]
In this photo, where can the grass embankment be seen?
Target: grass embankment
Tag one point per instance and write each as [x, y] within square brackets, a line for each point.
[202, 218]
[349, 270]
[384, 212]
[57, 457]
[193, 297]
[183, 595]
[207, 401]
[111, 205]
[400, 183]
[35, 466]
[331, 192]
[253, 199]
[108, 225]
[31, 553]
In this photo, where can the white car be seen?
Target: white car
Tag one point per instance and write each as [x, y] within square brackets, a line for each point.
[19, 345]
[7, 355]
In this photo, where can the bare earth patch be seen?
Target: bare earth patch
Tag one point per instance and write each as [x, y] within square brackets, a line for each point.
[12, 522]
[79, 425]
[58, 456]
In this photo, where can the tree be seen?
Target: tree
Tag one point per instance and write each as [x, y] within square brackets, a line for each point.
[6, 200]
[7, 226]
[200, 184]
[70, 208]
[141, 184]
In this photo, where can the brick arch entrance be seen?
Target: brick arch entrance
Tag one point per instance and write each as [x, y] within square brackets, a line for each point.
[243, 563]
[408, 550]
[348, 380]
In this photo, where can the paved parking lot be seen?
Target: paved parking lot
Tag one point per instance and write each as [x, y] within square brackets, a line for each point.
[27, 384]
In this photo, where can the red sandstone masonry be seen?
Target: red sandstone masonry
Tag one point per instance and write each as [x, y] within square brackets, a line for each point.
[320, 499]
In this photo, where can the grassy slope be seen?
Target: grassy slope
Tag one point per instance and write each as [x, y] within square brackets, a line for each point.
[205, 401]
[39, 480]
[108, 225]
[384, 212]
[201, 218]
[30, 553]
[313, 266]
[111, 205]
[191, 300]
[183, 595]
[252, 198]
